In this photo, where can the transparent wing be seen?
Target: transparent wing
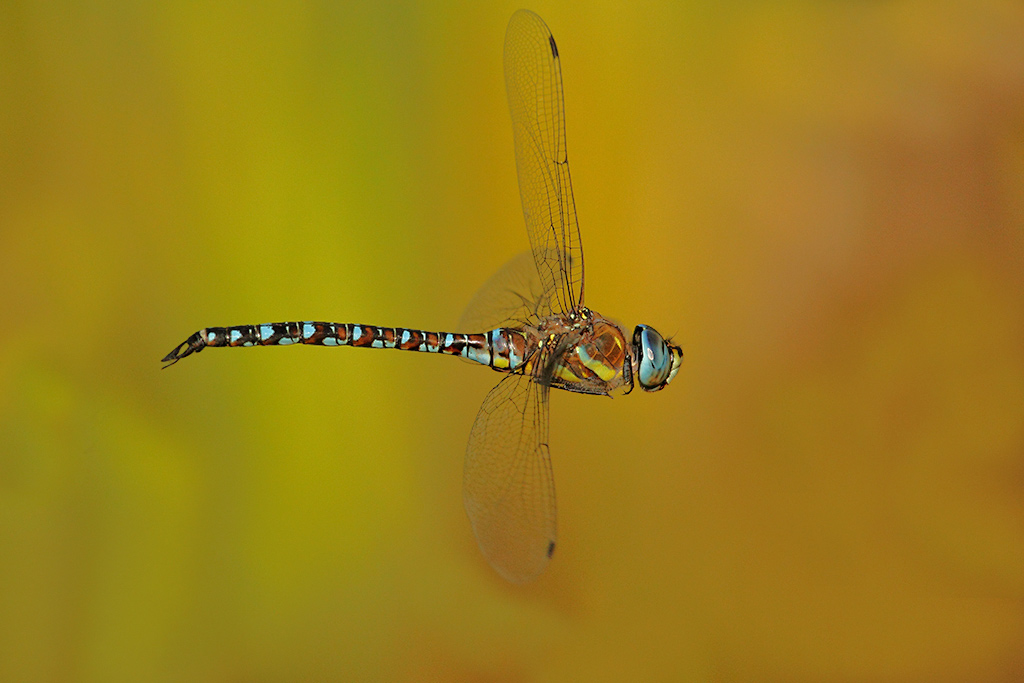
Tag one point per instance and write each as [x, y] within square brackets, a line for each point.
[512, 297]
[508, 489]
[533, 78]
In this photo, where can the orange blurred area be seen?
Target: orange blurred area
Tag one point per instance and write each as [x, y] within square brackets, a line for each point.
[822, 202]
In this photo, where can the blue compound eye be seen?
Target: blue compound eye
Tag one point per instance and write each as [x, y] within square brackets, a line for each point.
[654, 361]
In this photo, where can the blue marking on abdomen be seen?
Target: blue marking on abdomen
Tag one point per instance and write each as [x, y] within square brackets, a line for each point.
[482, 356]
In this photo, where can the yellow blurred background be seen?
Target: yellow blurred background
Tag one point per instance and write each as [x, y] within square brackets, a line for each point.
[822, 201]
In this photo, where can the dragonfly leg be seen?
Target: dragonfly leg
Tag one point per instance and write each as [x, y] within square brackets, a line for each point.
[580, 387]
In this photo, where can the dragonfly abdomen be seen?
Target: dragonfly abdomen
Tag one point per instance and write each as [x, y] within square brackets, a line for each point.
[501, 349]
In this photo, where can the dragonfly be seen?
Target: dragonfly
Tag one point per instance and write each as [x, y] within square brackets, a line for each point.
[539, 334]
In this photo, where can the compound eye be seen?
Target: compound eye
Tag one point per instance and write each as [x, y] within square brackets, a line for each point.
[655, 361]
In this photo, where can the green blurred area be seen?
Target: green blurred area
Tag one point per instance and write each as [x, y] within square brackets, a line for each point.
[823, 202]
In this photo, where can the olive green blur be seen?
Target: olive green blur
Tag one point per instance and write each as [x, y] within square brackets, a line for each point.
[821, 203]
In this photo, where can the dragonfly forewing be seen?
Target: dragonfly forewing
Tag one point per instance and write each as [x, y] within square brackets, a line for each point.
[533, 79]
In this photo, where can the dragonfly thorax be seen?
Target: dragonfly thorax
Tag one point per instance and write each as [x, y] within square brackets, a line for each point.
[592, 354]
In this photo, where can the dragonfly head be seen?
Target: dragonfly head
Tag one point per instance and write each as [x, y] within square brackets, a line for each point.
[656, 361]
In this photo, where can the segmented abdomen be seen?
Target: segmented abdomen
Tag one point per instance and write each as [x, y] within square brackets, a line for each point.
[501, 349]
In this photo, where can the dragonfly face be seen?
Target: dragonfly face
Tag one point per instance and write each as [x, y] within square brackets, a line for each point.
[657, 361]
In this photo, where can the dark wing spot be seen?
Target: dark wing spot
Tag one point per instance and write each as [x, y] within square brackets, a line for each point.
[554, 48]
[551, 545]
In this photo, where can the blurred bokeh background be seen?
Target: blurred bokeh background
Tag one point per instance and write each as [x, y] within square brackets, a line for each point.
[822, 201]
